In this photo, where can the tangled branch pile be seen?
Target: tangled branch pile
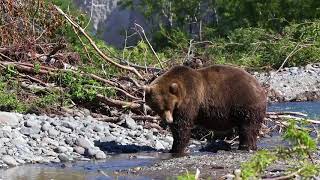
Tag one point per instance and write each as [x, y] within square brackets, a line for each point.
[48, 65]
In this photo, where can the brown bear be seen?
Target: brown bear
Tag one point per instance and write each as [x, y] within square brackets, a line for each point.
[218, 97]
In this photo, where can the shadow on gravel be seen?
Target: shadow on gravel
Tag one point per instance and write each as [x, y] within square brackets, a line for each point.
[113, 147]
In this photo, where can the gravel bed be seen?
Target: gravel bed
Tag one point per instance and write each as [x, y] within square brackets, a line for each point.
[293, 84]
[41, 139]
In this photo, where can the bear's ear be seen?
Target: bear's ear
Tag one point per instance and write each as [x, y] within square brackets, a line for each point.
[173, 88]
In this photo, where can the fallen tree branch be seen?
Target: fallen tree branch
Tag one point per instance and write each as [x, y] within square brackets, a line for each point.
[132, 81]
[105, 57]
[145, 37]
[26, 76]
[29, 68]
[289, 176]
[294, 118]
[137, 118]
[118, 103]
[155, 69]
[287, 113]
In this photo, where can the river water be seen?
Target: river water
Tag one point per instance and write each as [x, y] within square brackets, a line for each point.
[92, 170]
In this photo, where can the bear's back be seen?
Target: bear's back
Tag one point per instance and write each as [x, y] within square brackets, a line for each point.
[232, 85]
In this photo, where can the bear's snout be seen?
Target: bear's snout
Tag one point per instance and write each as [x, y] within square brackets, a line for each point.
[168, 117]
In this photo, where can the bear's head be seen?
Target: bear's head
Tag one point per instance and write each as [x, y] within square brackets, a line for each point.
[164, 98]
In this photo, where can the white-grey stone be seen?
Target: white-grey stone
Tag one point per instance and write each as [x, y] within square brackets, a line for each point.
[52, 132]
[9, 119]
[64, 129]
[84, 142]
[61, 149]
[46, 126]
[70, 125]
[100, 155]
[91, 152]
[158, 145]
[27, 131]
[98, 128]
[63, 158]
[129, 122]
[9, 160]
[79, 150]
[32, 123]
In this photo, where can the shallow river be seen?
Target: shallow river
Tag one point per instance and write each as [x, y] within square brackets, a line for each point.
[92, 170]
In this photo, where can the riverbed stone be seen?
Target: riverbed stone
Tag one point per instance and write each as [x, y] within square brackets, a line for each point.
[64, 129]
[61, 149]
[52, 132]
[129, 122]
[98, 128]
[45, 126]
[70, 125]
[158, 145]
[29, 130]
[9, 160]
[9, 119]
[84, 142]
[63, 158]
[91, 152]
[79, 150]
[32, 123]
[100, 155]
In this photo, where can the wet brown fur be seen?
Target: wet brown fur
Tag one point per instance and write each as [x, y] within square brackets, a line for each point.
[217, 97]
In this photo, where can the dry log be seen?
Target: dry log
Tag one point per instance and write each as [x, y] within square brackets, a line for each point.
[289, 176]
[118, 103]
[137, 118]
[287, 113]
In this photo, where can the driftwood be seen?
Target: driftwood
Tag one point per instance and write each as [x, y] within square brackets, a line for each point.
[118, 103]
[289, 176]
[287, 113]
[290, 115]
[137, 118]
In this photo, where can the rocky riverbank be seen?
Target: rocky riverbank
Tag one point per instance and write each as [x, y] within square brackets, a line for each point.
[41, 139]
[293, 84]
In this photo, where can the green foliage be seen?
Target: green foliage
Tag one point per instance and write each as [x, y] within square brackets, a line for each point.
[257, 164]
[300, 140]
[9, 100]
[271, 14]
[186, 176]
[37, 67]
[301, 146]
[83, 88]
[48, 100]
[248, 33]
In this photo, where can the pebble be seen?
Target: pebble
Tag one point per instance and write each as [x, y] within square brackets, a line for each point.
[53, 132]
[63, 158]
[64, 129]
[10, 119]
[84, 142]
[27, 131]
[9, 160]
[129, 122]
[100, 155]
[61, 149]
[79, 150]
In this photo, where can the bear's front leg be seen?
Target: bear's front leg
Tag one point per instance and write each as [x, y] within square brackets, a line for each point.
[181, 136]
